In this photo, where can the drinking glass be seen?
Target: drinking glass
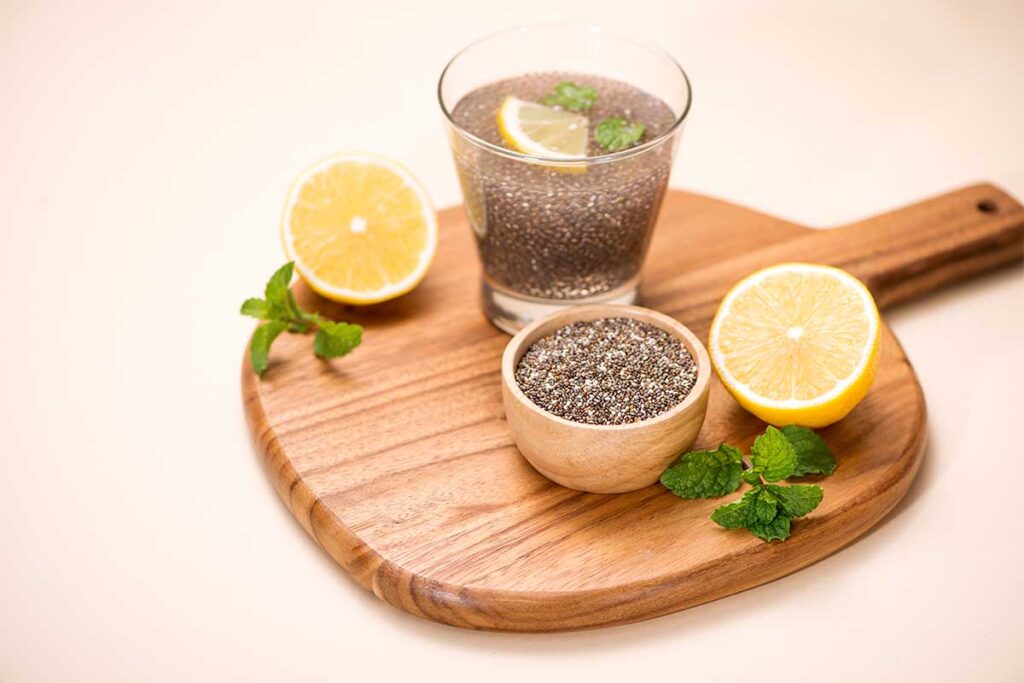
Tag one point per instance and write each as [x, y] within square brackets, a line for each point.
[553, 232]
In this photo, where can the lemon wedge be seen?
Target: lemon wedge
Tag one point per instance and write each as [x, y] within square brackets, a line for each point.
[797, 343]
[542, 131]
[360, 228]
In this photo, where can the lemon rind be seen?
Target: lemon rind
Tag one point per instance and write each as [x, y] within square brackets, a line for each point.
[868, 355]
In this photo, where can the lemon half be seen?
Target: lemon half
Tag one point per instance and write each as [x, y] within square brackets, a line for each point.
[797, 343]
[360, 228]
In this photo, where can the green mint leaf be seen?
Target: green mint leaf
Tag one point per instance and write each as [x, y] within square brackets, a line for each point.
[773, 456]
[751, 477]
[336, 339]
[767, 510]
[320, 320]
[812, 455]
[278, 286]
[796, 500]
[263, 310]
[733, 515]
[757, 506]
[262, 338]
[617, 133]
[775, 530]
[758, 511]
[280, 308]
[293, 306]
[705, 474]
[279, 303]
[571, 96]
[733, 453]
[763, 506]
[256, 308]
[350, 332]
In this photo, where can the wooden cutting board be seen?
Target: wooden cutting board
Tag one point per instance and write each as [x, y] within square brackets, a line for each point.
[398, 461]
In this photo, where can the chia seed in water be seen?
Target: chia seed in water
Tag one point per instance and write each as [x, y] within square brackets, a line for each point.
[607, 372]
[546, 233]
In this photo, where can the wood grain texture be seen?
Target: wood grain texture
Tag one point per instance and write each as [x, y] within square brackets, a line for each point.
[398, 461]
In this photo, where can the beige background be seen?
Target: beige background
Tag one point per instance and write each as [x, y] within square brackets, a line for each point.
[147, 147]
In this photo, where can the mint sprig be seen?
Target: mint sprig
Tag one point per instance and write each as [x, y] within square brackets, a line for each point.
[282, 313]
[616, 132]
[766, 509]
[571, 96]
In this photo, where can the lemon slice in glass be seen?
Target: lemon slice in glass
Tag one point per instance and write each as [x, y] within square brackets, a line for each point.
[797, 343]
[542, 131]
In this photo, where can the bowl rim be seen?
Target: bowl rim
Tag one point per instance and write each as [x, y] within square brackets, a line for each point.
[573, 314]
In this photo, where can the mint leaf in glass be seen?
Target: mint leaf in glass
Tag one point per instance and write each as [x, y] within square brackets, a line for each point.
[571, 96]
[617, 133]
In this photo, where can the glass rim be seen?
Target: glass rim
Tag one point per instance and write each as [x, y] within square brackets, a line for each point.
[562, 161]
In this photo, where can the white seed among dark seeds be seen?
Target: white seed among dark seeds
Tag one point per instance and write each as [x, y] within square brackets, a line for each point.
[558, 235]
[610, 371]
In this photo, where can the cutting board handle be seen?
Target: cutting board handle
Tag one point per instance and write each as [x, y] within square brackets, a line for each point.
[933, 243]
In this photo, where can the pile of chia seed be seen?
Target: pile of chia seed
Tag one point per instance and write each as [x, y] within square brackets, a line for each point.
[607, 372]
[546, 233]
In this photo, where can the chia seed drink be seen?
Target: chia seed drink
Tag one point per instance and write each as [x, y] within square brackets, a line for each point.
[553, 232]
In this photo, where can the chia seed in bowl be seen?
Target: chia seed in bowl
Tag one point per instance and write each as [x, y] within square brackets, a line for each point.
[609, 371]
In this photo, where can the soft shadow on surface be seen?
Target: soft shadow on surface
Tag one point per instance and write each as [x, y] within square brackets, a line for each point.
[803, 585]
[623, 638]
[412, 305]
[971, 287]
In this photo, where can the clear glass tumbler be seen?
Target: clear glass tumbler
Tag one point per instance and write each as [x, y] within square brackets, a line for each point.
[552, 231]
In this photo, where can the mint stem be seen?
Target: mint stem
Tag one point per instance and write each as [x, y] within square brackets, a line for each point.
[748, 466]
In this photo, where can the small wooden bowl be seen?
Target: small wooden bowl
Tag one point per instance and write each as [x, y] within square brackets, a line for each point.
[602, 458]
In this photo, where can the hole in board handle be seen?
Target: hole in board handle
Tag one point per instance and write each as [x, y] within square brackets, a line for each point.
[987, 206]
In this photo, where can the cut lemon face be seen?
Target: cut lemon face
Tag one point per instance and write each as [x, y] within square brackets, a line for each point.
[797, 343]
[360, 229]
[541, 131]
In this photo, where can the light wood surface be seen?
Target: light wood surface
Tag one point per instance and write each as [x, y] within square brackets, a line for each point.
[602, 458]
[398, 461]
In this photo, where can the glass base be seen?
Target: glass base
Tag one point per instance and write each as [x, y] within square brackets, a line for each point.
[510, 312]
